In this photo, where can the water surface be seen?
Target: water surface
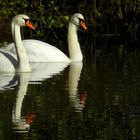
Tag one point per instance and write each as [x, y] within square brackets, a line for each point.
[96, 99]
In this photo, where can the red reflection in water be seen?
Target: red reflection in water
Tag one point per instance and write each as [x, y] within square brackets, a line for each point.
[83, 97]
[30, 118]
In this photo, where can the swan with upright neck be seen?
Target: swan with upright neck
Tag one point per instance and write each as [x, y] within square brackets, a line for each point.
[39, 51]
[19, 62]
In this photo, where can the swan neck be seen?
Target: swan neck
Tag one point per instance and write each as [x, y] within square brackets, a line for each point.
[73, 43]
[22, 58]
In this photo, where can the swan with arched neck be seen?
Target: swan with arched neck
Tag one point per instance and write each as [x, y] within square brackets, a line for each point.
[39, 51]
[17, 62]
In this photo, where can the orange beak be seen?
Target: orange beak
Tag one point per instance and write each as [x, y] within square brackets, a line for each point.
[83, 25]
[30, 25]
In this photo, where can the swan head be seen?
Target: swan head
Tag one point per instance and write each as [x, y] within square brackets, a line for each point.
[23, 20]
[78, 20]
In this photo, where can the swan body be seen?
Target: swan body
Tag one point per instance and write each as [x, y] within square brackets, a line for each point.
[43, 53]
[17, 62]
[39, 51]
[8, 61]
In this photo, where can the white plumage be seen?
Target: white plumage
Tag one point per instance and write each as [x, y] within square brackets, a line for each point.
[39, 51]
[18, 62]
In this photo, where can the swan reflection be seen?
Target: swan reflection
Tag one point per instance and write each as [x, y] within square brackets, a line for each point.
[18, 121]
[7, 81]
[40, 72]
[77, 101]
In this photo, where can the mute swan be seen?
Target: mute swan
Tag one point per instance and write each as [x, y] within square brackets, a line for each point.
[42, 52]
[10, 62]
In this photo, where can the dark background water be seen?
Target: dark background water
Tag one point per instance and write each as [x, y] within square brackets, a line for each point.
[96, 99]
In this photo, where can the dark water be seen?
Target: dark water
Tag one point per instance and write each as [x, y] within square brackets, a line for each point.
[96, 99]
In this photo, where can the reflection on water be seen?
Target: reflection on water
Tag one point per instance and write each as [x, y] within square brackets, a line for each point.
[73, 79]
[7, 81]
[96, 99]
[40, 72]
[20, 123]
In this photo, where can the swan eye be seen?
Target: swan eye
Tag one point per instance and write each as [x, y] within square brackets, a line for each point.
[28, 23]
[81, 20]
[26, 20]
[82, 24]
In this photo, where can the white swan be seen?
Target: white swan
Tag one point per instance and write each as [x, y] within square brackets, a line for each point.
[10, 62]
[39, 51]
